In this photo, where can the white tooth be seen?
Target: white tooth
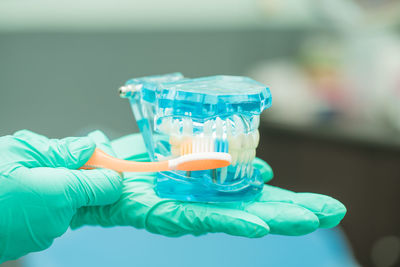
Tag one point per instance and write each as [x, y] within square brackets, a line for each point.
[252, 155]
[187, 127]
[207, 128]
[166, 125]
[241, 163]
[239, 127]
[234, 156]
[249, 161]
[162, 127]
[247, 141]
[237, 172]
[235, 142]
[175, 127]
[175, 150]
[229, 131]
[255, 122]
[219, 127]
[175, 140]
[245, 156]
[243, 173]
[249, 170]
[223, 174]
[256, 138]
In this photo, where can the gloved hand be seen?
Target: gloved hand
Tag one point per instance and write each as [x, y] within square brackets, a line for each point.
[276, 210]
[40, 189]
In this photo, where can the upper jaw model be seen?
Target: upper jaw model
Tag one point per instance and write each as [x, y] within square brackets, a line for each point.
[178, 116]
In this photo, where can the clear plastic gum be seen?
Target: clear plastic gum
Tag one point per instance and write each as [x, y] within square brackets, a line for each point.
[177, 115]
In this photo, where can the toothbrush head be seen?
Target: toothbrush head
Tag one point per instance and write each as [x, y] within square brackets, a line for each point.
[200, 161]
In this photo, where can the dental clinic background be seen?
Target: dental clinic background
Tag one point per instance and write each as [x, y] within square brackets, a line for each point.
[333, 68]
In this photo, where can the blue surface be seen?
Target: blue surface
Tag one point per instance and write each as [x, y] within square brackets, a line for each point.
[125, 246]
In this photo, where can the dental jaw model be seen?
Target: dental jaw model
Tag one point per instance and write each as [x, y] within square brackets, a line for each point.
[179, 116]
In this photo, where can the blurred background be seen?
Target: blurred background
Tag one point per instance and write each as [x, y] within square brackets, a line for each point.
[333, 68]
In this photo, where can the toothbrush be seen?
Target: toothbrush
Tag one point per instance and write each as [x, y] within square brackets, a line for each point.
[187, 162]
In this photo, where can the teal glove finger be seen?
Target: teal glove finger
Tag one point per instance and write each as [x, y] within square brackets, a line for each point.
[101, 141]
[328, 210]
[284, 218]
[39, 194]
[37, 150]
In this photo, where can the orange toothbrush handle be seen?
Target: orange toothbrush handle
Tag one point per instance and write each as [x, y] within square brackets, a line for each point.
[100, 159]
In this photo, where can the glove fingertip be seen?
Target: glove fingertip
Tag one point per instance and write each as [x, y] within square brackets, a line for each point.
[98, 136]
[81, 149]
[333, 216]
[264, 168]
[101, 141]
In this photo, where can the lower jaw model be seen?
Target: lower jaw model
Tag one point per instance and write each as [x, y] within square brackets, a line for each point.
[211, 114]
[232, 135]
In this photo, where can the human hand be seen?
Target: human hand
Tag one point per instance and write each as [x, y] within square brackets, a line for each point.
[276, 210]
[41, 189]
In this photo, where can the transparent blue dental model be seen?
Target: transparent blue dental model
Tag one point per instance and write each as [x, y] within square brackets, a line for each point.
[177, 115]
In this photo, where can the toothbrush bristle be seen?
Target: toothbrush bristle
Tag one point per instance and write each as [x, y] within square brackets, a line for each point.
[187, 147]
[203, 144]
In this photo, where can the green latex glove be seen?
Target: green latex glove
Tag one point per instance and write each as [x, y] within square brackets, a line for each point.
[276, 210]
[40, 189]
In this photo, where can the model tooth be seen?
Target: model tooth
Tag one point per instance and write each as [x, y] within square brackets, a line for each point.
[255, 122]
[252, 155]
[235, 142]
[175, 150]
[237, 172]
[249, 170]
[175, 140]
[223, 174]
[166, 125]
[175, 129]
[229, 130]
[247, 141]
[243, 170]
[245, 160]
[239, 127]
[187, 128]
[207, 128]
[234, 155]
[242, 155]
[256, 138]
[219, 127]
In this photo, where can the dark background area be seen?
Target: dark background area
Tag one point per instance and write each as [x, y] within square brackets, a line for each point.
[363, 175]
